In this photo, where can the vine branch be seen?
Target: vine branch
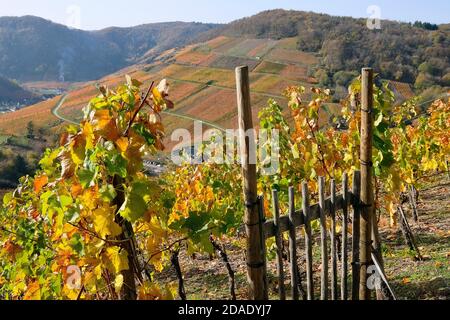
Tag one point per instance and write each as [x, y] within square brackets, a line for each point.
[143, 102]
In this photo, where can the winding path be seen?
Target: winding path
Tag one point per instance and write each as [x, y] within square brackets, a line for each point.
[58, 106]
[55, 112]
[205, 122]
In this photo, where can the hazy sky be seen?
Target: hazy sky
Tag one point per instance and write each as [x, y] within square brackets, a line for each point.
[97, 14]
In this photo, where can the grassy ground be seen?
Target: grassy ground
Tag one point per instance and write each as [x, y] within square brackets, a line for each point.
[3, 139]
[430, 278]
[270, 67]
[206, 277]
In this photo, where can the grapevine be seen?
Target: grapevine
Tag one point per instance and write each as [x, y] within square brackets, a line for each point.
[90, 208]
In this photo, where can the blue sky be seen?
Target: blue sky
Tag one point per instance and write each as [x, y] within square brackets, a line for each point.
[97, 14]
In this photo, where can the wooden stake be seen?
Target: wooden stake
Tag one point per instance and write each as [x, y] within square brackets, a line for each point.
[279, 244]
[255, 254]
[344, 287]
[308, 242]
[323, 240]
[356, 185]
[412, 202]
[407, 233]
[262, 217]
[334, 281]
[366, 180]
[293, 246]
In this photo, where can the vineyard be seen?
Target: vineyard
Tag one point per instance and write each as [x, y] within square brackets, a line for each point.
[197, 73]
[91, 225]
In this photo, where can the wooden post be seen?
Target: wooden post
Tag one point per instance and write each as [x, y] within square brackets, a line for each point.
[308, 242]
[356, 185]
[262, 218]
[254, 254]
[412, 202]
[366, 180]
[334, 282]
[293, 246]
[323, 240]
[344, 288]
[279, 244]
[382, 292]
[407, 233]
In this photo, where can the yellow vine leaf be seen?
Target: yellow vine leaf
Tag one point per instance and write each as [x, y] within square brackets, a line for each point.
[89, 135]
[33, 291]
[104, 223]
[90, 281]
[153, 250]
[122, 144]
[89, 198]
[392, 213]
[155, 292]
[118, 283]
[157, 97]
[70, 294]
[101, 118]
[116, 259]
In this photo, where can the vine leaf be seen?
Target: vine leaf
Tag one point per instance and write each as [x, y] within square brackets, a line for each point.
[40, 182]
[104, 222]
[33, 291]
[135, 205]
[116, 259]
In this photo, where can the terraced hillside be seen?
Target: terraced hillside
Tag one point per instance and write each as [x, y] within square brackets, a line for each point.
[202, 84]
[282, 48]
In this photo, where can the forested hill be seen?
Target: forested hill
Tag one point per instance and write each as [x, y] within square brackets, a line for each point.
[12, 93]
[33, 49]
[410, 52]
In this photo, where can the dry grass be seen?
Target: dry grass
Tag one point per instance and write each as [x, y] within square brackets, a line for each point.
[227, 62]
[245, 46]
[270, 67]
[212, 104]
[430, 278]
[288, 43]
[228, 45]
[197, 58]
[292, 56]
[295, 72]
[273, 84]
[262, 49]
[200, 74]
[15, 123]
[219, 42]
